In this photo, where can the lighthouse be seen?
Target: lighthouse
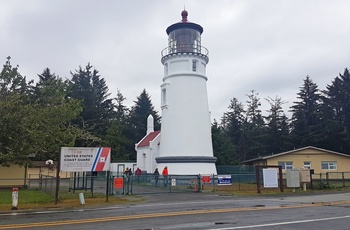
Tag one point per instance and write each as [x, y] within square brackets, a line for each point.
[186, 144]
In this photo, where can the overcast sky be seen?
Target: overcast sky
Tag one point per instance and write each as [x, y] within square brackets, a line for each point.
[269, 46]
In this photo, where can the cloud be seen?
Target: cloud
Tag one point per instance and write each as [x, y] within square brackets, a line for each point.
[269, 46]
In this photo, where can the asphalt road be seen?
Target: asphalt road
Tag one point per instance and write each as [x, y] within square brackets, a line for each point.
[197, 211]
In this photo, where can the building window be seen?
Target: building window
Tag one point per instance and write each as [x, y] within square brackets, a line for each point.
[194, 65]
[164, 102]
[307, 165]
[286, 164]
[166, 69]
[329, 165]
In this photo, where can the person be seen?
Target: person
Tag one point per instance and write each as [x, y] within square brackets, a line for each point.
[138, 173]
[156, 175]
[165, 174]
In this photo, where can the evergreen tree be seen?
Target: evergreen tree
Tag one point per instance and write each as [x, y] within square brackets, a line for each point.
[137, 122]
[223, 148]
[98, 110]
[277, 130]
[121, 110]
[251, 143]
[122, 148]
[336, 112]
[306, 116]
[233, 120]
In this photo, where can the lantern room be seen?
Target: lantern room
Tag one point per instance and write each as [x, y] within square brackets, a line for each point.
[184, 37]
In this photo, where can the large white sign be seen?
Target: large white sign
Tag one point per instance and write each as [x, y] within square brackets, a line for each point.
[270, 178]
[77, 159]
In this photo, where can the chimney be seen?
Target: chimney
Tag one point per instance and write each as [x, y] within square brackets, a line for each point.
[150, 125]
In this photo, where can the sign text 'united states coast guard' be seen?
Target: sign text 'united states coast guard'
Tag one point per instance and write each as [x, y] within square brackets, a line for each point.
[85, 159]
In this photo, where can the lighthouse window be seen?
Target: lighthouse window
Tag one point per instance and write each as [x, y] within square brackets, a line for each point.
[164, 97]
[194, 65]
[166, 68]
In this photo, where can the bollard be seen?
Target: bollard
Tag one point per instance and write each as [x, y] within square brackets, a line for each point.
[14, 198]
[81, 198]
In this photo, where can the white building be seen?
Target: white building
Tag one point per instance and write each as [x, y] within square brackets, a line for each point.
[147, 150]
[185, 144]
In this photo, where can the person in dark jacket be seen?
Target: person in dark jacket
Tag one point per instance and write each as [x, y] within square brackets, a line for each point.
[156, 175]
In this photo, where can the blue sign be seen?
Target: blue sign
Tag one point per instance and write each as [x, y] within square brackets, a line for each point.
[224, 180]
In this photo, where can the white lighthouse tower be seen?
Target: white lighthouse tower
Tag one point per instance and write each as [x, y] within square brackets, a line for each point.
[186, 145]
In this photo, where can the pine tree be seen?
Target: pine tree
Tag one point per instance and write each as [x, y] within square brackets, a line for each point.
[233, 120]
[336, 114]
[98, 109]
[306, 115]
[137, 120]
[251, 143]
[223, 148]
[122, 148]
[277, 130]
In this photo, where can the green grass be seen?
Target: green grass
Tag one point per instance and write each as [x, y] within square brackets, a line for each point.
[36, 200]
[25, 197]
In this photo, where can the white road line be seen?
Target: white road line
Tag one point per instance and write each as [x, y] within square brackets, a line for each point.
[282, 223]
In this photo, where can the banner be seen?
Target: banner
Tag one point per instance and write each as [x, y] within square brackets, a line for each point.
[80, 159]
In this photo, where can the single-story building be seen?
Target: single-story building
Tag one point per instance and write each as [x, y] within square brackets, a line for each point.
[12, 175]
[320, 160]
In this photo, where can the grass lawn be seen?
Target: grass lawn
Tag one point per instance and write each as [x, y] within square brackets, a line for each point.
[36, 199]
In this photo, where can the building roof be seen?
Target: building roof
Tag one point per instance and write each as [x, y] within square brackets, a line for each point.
[147, 139]
[184, 24]
[293, 151]
[42, 164]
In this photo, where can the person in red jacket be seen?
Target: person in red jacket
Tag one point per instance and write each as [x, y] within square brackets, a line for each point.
[165, 174]
[138, 173]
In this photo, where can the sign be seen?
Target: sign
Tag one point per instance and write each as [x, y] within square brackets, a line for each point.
[206, 179]
[76, 159]
[173, 182]
[118, 183]
[270, 178]
[224, 180]
[293, 178]
[305, 175]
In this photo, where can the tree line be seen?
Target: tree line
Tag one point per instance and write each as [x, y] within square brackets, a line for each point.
[38, 118]
[320, 118]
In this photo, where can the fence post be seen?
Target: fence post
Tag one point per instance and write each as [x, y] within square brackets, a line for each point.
[213, 183]
[257, 173]
[327, 178]
[14, 198]
[168, 178]
[199, 183]
[107, 185]
[343, 177]
[131, 183]
[239, 181]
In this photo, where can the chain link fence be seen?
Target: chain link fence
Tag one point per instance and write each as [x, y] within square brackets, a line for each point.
[39, 188]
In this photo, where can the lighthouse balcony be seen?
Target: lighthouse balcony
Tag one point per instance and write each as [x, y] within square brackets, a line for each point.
[185, 49]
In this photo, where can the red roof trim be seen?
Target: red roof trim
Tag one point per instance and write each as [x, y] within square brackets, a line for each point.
[146, 140]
